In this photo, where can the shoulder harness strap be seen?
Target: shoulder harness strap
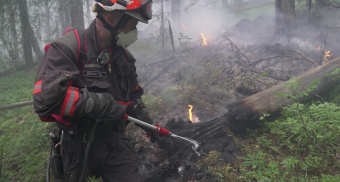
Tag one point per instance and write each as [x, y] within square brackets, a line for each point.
[82, 49]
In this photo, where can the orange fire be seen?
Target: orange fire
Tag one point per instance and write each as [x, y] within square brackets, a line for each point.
[190, 113]
[327, 55]
[184, 27]
[192, 117]
[204, 40]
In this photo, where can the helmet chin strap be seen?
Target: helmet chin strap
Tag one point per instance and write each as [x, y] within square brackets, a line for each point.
[122, 22]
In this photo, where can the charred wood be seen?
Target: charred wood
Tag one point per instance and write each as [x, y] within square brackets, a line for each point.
[246, 112]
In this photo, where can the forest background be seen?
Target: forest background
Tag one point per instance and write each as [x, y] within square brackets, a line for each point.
[300, 145]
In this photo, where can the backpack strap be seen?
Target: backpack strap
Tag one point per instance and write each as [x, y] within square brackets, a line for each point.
[82, 49]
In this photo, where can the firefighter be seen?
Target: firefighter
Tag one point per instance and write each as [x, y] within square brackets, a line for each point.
[87, 78]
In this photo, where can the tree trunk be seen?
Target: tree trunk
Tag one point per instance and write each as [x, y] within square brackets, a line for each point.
[15, 55]
[48, 19]
[34, 42]
[25, 35]
[61, 16]
[215, 135]
[88, 12]
[77, 14]
[64, 15]
[285, 17]
[162, 27]
[246, 112]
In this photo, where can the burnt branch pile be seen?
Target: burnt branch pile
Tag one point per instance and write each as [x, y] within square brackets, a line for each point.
[214, 135]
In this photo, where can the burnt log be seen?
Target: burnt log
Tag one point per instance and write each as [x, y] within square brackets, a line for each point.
[246, 112]
[217, 134]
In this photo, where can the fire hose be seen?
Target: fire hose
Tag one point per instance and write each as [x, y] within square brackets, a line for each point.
[156, 128]
[152, 127]
[160, 130]
[163, 131]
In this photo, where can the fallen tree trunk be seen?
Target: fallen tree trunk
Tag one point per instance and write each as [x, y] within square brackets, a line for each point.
[246, 112]
[218, 134]
[18, 104]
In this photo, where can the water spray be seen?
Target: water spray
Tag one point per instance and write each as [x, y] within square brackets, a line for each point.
[163, 131]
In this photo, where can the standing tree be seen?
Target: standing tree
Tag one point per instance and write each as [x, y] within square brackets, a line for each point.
[24, 30]
[64, 14]
[15, 52]
[285, 17]
[29, 40]
[88, 11]
[48, 19]
[77, 14]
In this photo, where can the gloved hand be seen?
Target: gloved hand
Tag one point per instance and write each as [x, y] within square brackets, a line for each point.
[101, 106]
[138, 110]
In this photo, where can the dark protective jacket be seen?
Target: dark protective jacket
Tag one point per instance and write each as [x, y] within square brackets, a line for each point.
[58, 79]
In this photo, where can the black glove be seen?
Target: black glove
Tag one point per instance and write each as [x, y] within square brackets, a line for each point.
[101, 106]
[138, 110]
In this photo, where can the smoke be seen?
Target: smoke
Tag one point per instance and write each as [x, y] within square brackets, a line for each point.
[190, 20]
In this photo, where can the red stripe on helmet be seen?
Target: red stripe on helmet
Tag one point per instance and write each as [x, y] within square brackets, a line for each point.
[135, 4]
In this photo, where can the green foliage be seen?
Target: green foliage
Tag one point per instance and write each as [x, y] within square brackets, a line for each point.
[306, 141]
[23, 137]
[16, 87]
[294, 89]
[261, 169]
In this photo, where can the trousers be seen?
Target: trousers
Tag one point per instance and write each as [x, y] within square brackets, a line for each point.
[111, 157]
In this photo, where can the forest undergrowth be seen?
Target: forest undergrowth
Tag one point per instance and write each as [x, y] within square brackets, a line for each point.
[302, 144]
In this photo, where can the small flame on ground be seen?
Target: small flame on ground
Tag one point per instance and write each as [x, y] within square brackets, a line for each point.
[327, 55]
[190, 113]
[184, 27]
[192, 117]
[204, 40]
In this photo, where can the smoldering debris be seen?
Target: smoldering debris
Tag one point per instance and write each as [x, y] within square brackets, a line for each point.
[240, 65]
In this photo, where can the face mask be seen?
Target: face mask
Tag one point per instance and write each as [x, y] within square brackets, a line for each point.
[126, 39]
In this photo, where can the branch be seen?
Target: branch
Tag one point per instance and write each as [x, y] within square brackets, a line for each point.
[18, 104]
[237, 49]
[303, 55]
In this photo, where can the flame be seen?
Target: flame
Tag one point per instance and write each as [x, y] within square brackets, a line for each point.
[328, 55]
[204, 40]
[192, 117]
[184, 27]
[190, 113]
